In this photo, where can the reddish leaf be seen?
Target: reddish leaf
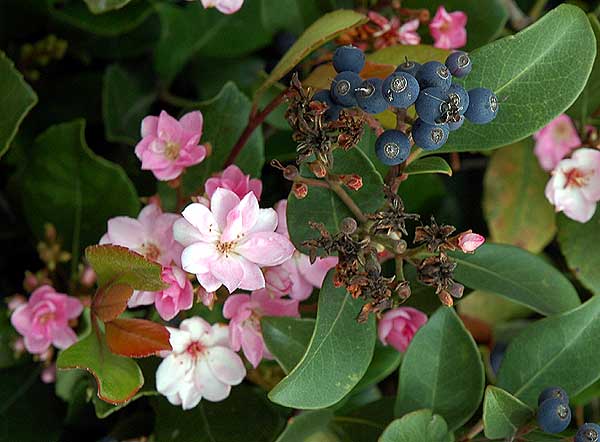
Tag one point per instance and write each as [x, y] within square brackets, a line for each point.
[110, 301]
[136, 338]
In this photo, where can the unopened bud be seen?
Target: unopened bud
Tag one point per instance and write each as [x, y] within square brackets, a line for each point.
[445, 298]
[469, 241]
[15, 301]
[401, 246]
[317, 168]
[30, 282]
[300, 190]
[348, 225]
[88, 277]
[49, 232]
[403, 290]
[290, 172]
[456, 290]
[353, 181]
[48, 374]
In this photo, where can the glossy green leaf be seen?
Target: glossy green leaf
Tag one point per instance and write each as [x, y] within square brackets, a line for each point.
[101, 6]
[115, 264]
[287, 338]
[559, 350]
[192, 30]
[366, 423]
[225, 118]
[576, 241]
[539, 72]
[514, 196]
[442, 370]
[246, 415]
[485, 19]
[118, 378]
[126, 100]
[418, 426]
[309, 426]
[290, 15]
[589, 100]
[320, 32]
[397, 54]
[68, 185]
[507, 271]
[323, 206]
[428, 165]
[17, 97]
[386, 360]
[339, 343]
[503, 413]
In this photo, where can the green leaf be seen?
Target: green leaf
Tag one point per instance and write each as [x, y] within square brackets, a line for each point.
[309, 426]
[559, 350]
[575, 240]
[101, 6]
[555, 54]
[192, 30]
[428, 165]
[589, 99]
[118, 378]
[66, 184]
[225, 117]
[491, 308]
[340, 344]
[418, 426]
[503, 413]
[514, 196]
[290, 15]
[287, 339]
[115, 264]
[507, 271]
[323, 206]
[320, 32]
[442, 370]
[365, 423]
[16, 97]
[246, 415]
[485, 22]
[126, 100]
[385, 361]
[397, 54]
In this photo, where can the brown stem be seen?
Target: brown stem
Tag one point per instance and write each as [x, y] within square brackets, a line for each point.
[311, 182]
[518, 19]
[255, 120]
[474, 431]
[455, 161]
[349, 202]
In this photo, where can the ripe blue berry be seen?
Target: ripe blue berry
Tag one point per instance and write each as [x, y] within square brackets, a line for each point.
[429, 104]
[434, 74]
[429, 136]
[461, 97]
[483, 106]
[553, 415]
[459, 64]
[392, 147]
[348, 58]
[400, 89]
[410, 67]
[343, 86]
[333, 111]
[588, 433]
[553, 392]
[369, 97]
[455, 125]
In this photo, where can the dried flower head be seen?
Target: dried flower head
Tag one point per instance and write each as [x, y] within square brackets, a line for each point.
[393, 218]
[436, 237]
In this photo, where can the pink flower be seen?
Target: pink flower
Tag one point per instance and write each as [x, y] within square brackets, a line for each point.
[207, 298]
[245, 311]
[201, 364]
[398, 326]
[44, 320]
[229, 243]
[555, 141]
[448, 29]
[169, 146]
[178, 296]
[233, 178]
[469, 241]
[296, 276]
[575, 185]
[407, 34]
[224, 6]
[392, 32]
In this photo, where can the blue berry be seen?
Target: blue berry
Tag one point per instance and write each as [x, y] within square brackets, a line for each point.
[429, 136]
[429, 104]
[392, 147]
[461, 96]
[400, 89]
[455, 125]
[343, 86]
[459, 64]
[553, 415]
[348, 58]
[483, 106]
[553, 392]
[434, 74]
[497, 354]
[369, 97]
[588, 433]
[333, 111]
[410, 67]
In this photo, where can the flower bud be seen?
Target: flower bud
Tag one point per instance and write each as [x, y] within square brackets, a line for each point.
[353, 181]
[300, 190]
[317, 168]
[469, 241]
[290, 172]
[446, 298]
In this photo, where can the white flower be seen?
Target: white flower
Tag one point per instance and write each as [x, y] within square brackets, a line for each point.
[201, 365]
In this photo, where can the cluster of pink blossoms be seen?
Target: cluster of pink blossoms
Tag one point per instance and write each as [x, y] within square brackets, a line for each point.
[574, 187]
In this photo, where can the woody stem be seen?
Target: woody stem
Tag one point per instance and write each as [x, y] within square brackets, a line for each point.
[349, 202]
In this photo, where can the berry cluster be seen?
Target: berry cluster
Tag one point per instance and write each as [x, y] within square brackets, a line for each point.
[440, 104]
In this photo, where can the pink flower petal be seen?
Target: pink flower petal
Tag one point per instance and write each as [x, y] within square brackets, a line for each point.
[207, 384]
[225, 365]
[169, 129]
[222, 202]
[192, 122]
[198, 257]
[266, 248]
[199, 216]
[234, 304]
[126, 232]
[242, 218]
[149, 126]
[228, 270]
[253, 346]
[63, 337]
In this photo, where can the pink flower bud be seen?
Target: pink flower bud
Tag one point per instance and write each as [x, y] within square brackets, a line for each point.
[469, 241]
[88, 277]
[48, 374]
[15, 301]
[398, 326]
[30, 282]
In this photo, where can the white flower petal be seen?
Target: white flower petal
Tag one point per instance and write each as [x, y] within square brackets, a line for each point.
[207, 384]
[225, 365]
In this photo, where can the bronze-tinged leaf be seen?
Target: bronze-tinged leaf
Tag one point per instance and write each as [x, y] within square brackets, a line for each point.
[136, 338]
[111, 300]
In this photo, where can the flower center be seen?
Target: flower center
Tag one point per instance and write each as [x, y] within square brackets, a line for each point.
[150, 251]
[576, 178]
[195, 349]
[172, 150]
[43, 319]
[225, 247]
[562, 132]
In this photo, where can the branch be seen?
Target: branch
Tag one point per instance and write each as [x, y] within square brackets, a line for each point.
[474, 431]
[349, 202]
